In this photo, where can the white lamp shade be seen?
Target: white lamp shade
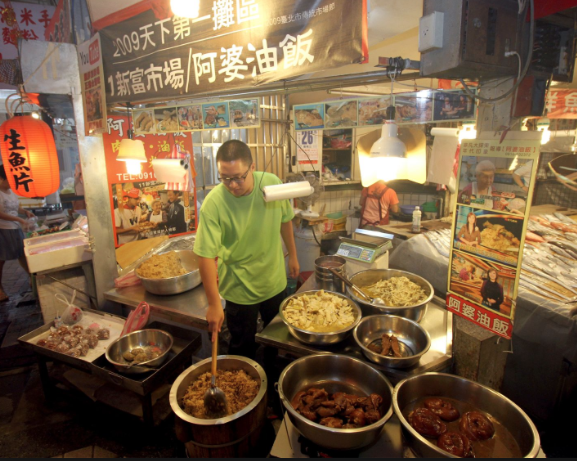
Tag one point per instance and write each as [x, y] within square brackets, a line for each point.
[185, 8]
[131, 150]
[389, 145]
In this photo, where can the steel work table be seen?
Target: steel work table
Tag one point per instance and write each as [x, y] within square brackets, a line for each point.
[437, 321]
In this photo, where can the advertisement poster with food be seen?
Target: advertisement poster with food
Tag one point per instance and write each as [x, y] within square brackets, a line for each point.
[190, 117]
[309, 116]
[92, 80]
[141, 206]
[143, 121]
[453, 105]
[341, 114]
[496, 178]
[244, 113]
[414, 107]
[216, 115]
[373, 111]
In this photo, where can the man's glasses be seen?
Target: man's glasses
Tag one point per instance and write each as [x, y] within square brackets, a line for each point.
[239, 181]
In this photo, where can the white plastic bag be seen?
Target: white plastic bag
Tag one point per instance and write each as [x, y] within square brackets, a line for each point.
[72, 314]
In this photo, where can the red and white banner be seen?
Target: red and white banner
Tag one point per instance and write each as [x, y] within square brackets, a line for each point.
[561, 104]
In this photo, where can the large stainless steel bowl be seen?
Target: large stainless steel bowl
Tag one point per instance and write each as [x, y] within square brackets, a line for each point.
[139, 338]
[335, 373]
[368, 277]
[225, 363]
[414, 341]
[178, 284]
[485, 399]
[317, 338]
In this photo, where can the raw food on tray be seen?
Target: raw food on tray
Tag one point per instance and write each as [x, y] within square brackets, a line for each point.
[322, 312]
[162, 266]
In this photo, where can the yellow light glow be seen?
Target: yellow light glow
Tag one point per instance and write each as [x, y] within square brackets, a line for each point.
[133, 167]
[546, 135]
[467, 132]
[36, 115]
[185, 8]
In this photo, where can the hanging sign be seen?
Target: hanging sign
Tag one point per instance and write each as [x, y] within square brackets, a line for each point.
[141, 206]
[561, 104]
[232, 44]
[92, 79]
[491, 217]
[308, 147]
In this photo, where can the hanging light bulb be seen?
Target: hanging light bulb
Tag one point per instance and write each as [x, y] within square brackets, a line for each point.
[543, 126]
[467, 131]
[131, 150]
[185, 8]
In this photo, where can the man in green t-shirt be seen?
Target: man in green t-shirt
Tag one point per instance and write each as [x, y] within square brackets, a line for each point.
[244, 232]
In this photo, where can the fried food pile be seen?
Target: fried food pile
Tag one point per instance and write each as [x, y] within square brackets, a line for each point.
[339, 410]
[74, 341]
[389, 346]
[142, 354]
[396, 292]
[162, 266]
[497, 237]
[239, 388]
[322, 312]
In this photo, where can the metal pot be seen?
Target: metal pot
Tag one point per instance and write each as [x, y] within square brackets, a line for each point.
[414, 341]
[140, 338]
[178, 284]
[318, 338]
[485, 399]
[335, 373]
[325, 278]
[368, 277]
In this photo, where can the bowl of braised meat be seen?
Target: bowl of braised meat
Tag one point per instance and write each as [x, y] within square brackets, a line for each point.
[392, 341]
[446, 416]
[336, 401]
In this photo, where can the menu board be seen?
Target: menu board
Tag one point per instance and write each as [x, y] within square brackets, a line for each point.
[496, 181]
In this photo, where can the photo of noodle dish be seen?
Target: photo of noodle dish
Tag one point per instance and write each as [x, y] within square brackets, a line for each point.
[322, 312]
[396, 292]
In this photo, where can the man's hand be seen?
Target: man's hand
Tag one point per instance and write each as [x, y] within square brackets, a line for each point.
[215, 318]
[293, 267]
[28, 214]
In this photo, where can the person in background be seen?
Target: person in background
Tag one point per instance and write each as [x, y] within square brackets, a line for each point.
[175, 222]
[78, 188]
[11, 235]
[522, 176]
[127, 221]
[377, 203]
[470, 233]
[158, 217]
[480, 191]
[492, 292]
[467, 273]
[244, 233]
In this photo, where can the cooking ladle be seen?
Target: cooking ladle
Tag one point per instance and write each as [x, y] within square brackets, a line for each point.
[215, 402]
[357, 289]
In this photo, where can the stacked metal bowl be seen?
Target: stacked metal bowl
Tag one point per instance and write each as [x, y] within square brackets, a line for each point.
[178, 284]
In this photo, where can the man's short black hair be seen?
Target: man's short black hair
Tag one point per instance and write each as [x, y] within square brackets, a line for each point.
[3, 173]
[234, 150]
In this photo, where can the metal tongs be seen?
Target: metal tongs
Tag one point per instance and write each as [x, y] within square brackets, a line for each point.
[137, 319]
[357, 289]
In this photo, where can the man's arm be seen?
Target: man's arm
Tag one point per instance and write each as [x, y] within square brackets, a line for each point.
[286, 231]
[215, 313]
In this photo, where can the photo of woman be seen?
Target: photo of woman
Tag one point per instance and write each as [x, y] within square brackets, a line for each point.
[470, 233]
[492, 291]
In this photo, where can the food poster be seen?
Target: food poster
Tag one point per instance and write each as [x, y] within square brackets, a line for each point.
[190, 117]
[92, 79]
[341, 114]
[244, 113]
[143, 121]
[140, 205]
[414, 107]
[165, 120]
[373, 111]
[495, 180]
[216, 116]
[453, 105]
[309, 116]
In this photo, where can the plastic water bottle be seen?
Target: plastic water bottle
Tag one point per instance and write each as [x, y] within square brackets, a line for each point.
[416, 220]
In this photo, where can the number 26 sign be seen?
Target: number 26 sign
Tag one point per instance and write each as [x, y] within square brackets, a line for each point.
[308, 146]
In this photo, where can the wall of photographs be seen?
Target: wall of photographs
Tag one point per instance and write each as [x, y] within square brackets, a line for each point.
[238, 113]
[418, 107]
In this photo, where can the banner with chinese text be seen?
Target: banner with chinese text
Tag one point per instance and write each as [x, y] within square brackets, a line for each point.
[496, 182]
[92, 79]
[141, 207]
[561, 103]
[232, 44]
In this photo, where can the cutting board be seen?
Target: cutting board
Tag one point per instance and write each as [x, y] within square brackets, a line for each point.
[131, 252]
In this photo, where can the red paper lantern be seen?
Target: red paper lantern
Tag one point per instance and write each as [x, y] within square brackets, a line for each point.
[29, 157]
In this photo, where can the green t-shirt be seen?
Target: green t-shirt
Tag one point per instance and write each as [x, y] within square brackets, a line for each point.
[244, 233]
